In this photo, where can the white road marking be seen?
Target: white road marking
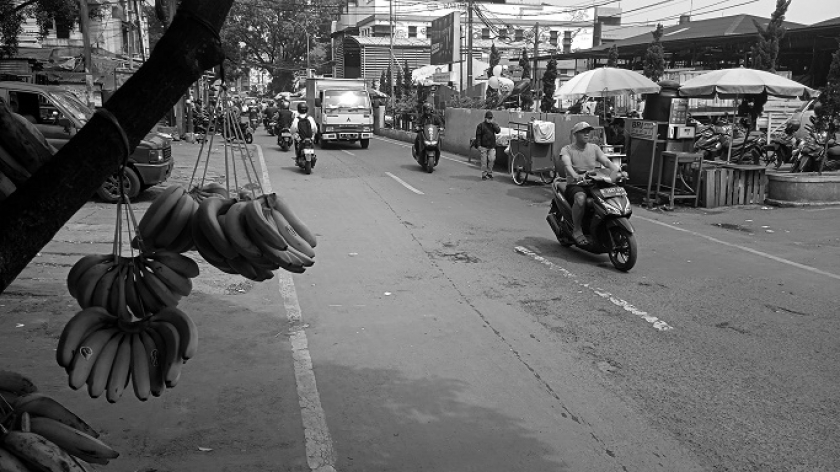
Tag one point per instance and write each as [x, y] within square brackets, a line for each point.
[320, 454]
[744, 248]
[404, 183]
[345, 151]
[656, 322]
[443, 156]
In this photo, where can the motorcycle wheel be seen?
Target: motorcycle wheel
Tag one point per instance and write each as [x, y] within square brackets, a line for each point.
[307, 167]
[249, 138]
[623, 255]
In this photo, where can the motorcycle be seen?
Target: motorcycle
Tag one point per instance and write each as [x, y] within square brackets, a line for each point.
[747, 146]
[810, 153]
[269, 123]
[605, 224]
[244, 132]
[710, 141]
[284, 139]
[780, 148]
[305, 155]
[429, 153]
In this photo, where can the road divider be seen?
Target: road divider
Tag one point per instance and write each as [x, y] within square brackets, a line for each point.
[404, 183]
[654, 321]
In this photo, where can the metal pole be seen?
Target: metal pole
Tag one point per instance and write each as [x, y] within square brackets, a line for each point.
[140, 31]
[391, 33]
[469, 44]
[536, 53]
[85, 25]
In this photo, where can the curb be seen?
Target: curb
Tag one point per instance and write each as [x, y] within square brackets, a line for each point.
[790, 204]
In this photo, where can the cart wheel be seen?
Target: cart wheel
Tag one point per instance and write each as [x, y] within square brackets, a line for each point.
[548, 176]
[517, 169]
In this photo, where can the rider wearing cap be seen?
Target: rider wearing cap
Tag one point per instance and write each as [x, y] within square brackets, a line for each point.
[578, 158]
[427, 118]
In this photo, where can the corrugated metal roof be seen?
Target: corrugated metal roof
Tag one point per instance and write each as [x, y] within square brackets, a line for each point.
[386, 42]
[829, 22]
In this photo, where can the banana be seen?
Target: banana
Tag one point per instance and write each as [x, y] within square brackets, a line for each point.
[176, 282]
[187, 330]
[177, 262]
[119, 371]
[243, 267]
[86, 355]
[276, 202]
[255, 220]
[132, 296]
[155, 217]
[184, 242]
[102, 292]
[234, 229]
[172, 362]
[302, 258]
[38, 451]
[89, 280]
[41, 405]
[73, 441]
[281, 259]
[292, 238]
[206, 249]
[151, 304]
[140, 368]
[179, 218]
[97, 381]
[208, 222]
[10, 463]
[16, 383]
[154, 346]
[82, 324]
[81, 266]
[118, 290]
[158, 289]
[215, 188]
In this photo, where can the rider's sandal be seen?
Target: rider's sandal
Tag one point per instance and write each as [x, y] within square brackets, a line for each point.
[581, 240]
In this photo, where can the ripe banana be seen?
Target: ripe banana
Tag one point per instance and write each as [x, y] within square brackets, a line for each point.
[89, 280]
[38, 451]
[289, 234]
[187, 330]
[154, 347]
[132, 296]
[120, 370]
[81, 266]
[172, 362]
[77, 329]
[140, 368]
[86, 355]
[243, 267]
[16, 383]
[150, 303]
[158, 289]
[177, 262]
[41, 405]
[215, 188]
[97, 381]
[276, 202]
[235, 231]
[176, 282]
[179, 218]
[255, 220]
[155, 217]
[73, 441]
[184, 242]
[102, 292]
[303, 259]
[208, 222]
[10, 463]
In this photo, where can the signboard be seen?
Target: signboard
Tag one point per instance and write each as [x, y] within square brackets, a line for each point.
[445, 38]
[441, 77]
[679, 111]
[642, 129]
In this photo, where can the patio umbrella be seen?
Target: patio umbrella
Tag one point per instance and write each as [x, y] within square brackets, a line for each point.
[735, 83]
[607, 82]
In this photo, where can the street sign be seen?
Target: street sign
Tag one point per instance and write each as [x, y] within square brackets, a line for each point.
[445, 43]
[441, 78]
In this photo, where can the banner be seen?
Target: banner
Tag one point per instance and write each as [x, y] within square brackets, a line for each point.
[446, 39]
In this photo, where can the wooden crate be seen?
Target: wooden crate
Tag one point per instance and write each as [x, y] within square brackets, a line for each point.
[727, 185]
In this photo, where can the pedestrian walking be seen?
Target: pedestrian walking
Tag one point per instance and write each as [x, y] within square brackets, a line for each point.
[485, 137]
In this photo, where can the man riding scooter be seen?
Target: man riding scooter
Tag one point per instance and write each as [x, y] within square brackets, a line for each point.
[427, 118]
[303, 127]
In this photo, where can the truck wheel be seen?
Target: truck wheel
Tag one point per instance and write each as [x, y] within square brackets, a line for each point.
[110, 189]
[324, 143]
[365, 143]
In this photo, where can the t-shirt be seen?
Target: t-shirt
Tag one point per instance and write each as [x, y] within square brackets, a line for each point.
[582, 160]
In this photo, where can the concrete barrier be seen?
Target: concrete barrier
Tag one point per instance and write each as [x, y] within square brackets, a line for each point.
[802, 189]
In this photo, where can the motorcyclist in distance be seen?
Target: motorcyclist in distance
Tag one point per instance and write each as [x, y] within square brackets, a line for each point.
[303, 126]
[427, 118]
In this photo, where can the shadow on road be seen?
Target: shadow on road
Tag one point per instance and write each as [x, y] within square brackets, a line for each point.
[549, 247]
[381, 420]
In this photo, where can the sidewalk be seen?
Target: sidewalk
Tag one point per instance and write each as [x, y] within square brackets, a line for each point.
[237, 397]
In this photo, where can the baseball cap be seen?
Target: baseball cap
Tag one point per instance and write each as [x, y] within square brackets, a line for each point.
[582, 126]
[489, 114]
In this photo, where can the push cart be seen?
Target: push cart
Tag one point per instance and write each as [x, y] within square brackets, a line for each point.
[528, 157]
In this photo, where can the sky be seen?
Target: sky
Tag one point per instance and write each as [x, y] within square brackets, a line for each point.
[800, 11]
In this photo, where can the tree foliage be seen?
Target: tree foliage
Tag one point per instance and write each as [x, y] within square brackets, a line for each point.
[389, 82]
[548, 80]
[765, 52]
[612, 58]
[398, 84]
[407, 84]
[827, 110]
[527, 97]
[655, 56]
[491, 97]
[61, 13]
[383, 83]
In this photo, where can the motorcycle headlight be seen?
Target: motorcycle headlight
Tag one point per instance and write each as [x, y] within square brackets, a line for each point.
[430, 143]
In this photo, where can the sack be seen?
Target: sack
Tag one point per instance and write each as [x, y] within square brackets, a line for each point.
[304, 128]
[473, 143]
[543, 132]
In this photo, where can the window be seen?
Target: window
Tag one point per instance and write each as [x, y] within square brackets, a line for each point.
[520, 35]
[503, 33]
[351, 99]
[62, 29]
[553, 38]
[412, 31]
[485, 33]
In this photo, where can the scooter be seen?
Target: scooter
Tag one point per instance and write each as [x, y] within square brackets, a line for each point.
[269, 124]
[606, 223]
[305, 155]
[429, 153]
[245, 132]
[810, 153]
[710, 141]
[284, 139]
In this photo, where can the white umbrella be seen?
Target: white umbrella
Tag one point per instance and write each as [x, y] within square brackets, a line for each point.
[735, 83]
[606, 82]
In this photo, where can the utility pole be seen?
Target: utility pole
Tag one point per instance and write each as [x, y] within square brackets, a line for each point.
[140, 30]
[85, 25]
[179, 107]
[390, 62]
[469, 44]
[536, 53]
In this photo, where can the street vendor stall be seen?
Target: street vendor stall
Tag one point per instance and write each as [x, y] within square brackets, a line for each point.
[532, 154]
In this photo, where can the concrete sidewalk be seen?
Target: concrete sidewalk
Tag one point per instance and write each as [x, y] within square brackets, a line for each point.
[236, 399]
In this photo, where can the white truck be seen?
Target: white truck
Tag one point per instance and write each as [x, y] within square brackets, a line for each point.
[342, 109]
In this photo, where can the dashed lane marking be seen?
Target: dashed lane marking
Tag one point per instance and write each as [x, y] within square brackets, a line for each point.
[345, 151]
[320, 454]
[404, 183]
[656, 322]
[443, 156]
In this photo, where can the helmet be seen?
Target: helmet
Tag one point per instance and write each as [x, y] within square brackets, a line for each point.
[428, 108]
[302, 107]
[284, 105]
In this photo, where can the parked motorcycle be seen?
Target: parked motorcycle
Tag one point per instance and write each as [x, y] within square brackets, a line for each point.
[284, 139]
[245, 132]
[429, 153]
[710, 141]
[606, 223]
[780, 148]
[305, 155]
[747, 146]
[810, 152]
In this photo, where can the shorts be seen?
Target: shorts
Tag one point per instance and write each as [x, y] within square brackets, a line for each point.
[571, 190]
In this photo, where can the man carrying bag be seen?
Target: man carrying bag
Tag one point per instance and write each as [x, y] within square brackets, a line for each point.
[485, 138]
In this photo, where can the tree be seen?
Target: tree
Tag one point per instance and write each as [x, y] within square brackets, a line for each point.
[491, 97]
[827, 109]
[548, 79]
[655, 56]
[389, 82]
[383, 84]
[398, 84]
[32, 216]
[407, 83]
[612, 59]
[62, 13]
[526, 98]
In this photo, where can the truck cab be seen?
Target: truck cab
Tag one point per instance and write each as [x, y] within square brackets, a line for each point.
[342, 110]
[58, 115]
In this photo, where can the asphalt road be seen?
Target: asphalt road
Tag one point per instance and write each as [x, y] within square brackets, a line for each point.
[449, 331]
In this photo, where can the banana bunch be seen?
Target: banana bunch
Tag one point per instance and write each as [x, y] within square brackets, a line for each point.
[37, 433]
[132, 286]
[166, 224]
[209, 190]
[252, 237]
[105, 354]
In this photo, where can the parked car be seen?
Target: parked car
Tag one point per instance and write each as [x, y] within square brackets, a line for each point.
[58, 114]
